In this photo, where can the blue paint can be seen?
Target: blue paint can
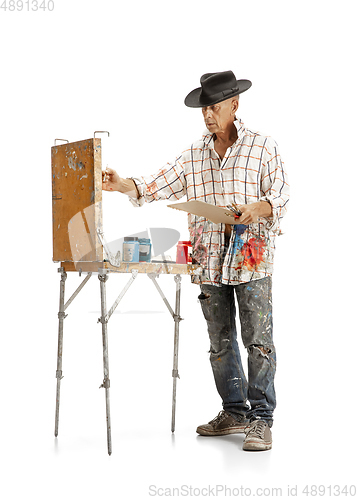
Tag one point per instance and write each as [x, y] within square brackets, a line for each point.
[145, 248]
[130, 249]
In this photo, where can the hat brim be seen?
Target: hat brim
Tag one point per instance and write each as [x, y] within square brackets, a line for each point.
[195, 98]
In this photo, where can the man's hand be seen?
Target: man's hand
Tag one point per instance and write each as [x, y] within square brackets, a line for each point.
[252, 212]
[112, 182]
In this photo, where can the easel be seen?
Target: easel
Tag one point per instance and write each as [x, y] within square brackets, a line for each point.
[77, 222]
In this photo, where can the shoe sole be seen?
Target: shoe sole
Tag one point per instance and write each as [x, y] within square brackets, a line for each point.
[206, 432]
[256, 446]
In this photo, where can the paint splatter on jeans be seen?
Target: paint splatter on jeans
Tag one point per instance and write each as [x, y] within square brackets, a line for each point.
[254, 397]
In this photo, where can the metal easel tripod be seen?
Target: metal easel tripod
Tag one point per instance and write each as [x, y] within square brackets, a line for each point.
[103, 275]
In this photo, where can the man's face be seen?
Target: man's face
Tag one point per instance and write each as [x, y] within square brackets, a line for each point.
[220, 116]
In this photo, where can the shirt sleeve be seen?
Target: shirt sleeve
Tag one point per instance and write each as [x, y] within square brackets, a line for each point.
[167, 183]
[274, 186]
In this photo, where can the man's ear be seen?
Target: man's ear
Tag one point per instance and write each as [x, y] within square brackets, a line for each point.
[234, 105]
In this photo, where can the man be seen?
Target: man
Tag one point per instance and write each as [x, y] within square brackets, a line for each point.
[230, 165]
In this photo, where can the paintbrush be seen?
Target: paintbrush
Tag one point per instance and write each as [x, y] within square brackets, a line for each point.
[105, 177]
[234, 209]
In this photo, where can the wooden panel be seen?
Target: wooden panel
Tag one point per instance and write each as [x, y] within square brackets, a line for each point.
[77, 201]
[141, 267]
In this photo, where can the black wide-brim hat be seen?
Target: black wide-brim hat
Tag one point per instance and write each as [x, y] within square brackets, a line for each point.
[216, 87]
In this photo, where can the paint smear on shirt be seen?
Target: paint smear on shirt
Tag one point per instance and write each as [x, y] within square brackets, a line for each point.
[152, 188]
[199, 250]
[253, 252]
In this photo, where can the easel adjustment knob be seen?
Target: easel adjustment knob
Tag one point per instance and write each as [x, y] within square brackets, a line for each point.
[59, 374]
[175, 373]
[106, 384]
[103, 277]
[62, 315]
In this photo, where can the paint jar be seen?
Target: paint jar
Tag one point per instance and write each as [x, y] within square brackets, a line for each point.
[145, 248]
[183, 252]
[130, 249]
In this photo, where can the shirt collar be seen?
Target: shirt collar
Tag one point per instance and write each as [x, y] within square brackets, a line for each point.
[241, 131]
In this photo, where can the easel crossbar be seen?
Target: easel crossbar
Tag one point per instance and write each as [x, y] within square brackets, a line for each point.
[121, 295]
[176, 317]
[74, 295]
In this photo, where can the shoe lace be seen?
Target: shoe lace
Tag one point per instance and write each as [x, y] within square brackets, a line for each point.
[219, 418]
[256, 427]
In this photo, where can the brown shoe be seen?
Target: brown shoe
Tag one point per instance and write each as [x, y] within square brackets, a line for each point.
[258, 436]
[222, 425]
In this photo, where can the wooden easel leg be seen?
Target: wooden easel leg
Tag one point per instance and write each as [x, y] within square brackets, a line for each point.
[61, 317]
[177, 319]
[103, 277]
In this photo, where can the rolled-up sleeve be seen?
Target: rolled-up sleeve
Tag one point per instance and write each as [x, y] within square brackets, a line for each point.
[274, 186]
[167, 183]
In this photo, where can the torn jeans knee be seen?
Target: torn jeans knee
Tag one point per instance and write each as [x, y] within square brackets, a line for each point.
[264, 350]
[216, 355]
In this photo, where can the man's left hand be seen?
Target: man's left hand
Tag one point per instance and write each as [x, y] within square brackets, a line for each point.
[253, 211]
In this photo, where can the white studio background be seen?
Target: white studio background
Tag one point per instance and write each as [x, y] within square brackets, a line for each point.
[126, 67]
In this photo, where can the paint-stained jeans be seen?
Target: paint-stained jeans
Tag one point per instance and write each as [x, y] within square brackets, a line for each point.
[255, 311]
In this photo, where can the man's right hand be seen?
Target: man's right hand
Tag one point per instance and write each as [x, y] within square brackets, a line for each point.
[110, 180]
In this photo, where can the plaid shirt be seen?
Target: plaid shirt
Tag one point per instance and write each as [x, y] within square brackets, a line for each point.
[251, 171]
